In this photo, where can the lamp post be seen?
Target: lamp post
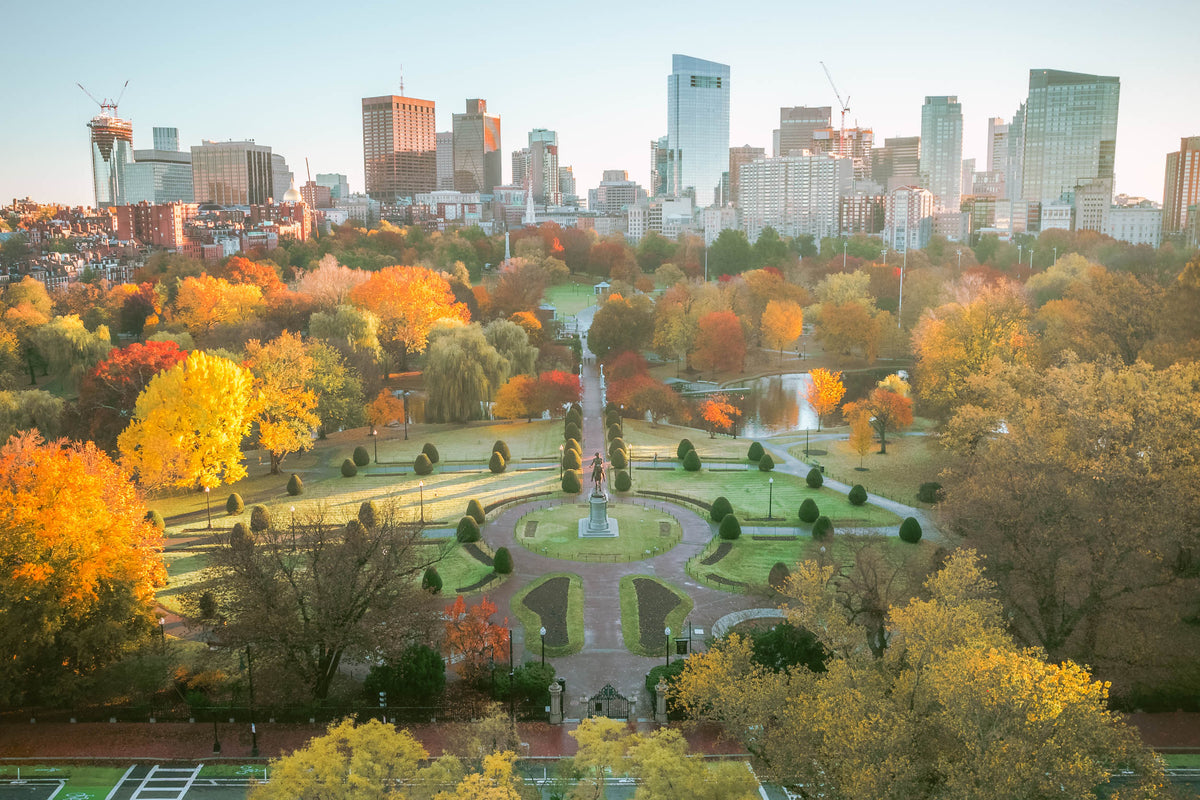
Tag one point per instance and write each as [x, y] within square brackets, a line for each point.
[253, 729]
[770, 497]
[883, 253]
[375, 435]
[806, 441]
[216, 737]
[383, 705]
[162, 633]
[1056, 255]
[512, 700]
[561, 455]
[208, 507]
[293, 529]
[900, 304]
[960, 258]
[667, 631]
[1031, 260]
[844, 243]
[421, 486]
[405, 415]
[542, 633]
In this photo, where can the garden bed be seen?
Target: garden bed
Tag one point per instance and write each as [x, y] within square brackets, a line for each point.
[556, 602]
[648, 606]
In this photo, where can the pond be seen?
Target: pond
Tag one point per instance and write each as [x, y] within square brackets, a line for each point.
[775, 404]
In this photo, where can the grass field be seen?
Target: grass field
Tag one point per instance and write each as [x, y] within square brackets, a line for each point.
[557, 533]
[630, 620]
[459, 568]
[750, 561]
[662, 440]
[531, 621]
[570, 298]
[748, 492]
[910, 461]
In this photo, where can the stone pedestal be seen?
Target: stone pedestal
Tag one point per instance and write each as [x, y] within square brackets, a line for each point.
[660, 703]
[556, 704]
[598, 524]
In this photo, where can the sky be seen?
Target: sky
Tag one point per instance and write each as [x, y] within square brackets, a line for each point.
[291, 75]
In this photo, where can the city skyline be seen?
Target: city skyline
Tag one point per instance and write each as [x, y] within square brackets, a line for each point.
[604, 116]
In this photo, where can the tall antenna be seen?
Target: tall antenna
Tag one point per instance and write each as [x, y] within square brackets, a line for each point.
[402, 80]
[108, 108]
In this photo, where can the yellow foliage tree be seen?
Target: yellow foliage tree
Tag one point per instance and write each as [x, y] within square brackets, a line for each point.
[782, 323]
[409, 301]
[287, 409]
[860, 435]
[189, 423]
[825, 392]
[205, 302]
[512, 399]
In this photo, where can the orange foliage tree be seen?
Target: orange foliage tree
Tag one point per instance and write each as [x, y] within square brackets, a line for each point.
[385, 408]
[473, 638]
[720, 343]
[409, 301]
[79, 564]
[825, 392]
[886, 409]
[514, 398]
[719, 413]
[782, 323]
[264, 275]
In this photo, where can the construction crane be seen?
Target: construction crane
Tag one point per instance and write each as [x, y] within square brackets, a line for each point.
[108, 107]
[845, 106]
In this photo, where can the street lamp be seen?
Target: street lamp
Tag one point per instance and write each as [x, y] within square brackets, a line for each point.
[207, 507]
[844, 243]
[421, 486]
[405, 393]
[375, 434]
[770, 496]
[512, 700]
[542, 633]
[960, 258]
[667, 631]
[162, 633]
[561, 455]
[1031, 259]
[293, 529]
[253, 729]
[900, 305]
[883, 253]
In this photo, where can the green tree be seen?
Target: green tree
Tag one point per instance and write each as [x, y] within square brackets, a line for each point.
[512, 343]
[462, 373]
[730, 254]
[770, 250]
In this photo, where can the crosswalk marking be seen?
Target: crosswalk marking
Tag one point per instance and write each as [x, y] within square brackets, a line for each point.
[163, 782]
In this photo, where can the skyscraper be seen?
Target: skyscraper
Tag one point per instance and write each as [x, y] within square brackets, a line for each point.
[158, 176]
[166, 139]
[112, 149]
[941, 150]
[232, 173]
[797, 125]
[399, 147]
[897, 163]
[662, 162]
[737, 157]
[445, 161]
[543, 167]
[1070, 133]
[698, 126]
[477, 157]
[1181, 188]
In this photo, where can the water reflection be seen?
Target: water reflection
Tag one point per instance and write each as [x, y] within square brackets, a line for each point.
[776, 404]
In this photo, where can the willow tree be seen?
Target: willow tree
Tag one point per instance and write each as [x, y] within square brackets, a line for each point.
[463, 372]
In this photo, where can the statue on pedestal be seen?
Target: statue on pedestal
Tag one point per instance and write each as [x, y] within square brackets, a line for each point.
[597, 474]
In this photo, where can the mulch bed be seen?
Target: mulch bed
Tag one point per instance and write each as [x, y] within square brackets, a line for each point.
[479, 584]
[477, 554]
[722, 550]
[531, 529]
[655, 601]
[549, 602]
[721, 579]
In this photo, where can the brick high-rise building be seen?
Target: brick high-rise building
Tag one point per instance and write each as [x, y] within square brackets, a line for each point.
[156, 225]
[1181, 189]
[399, 147]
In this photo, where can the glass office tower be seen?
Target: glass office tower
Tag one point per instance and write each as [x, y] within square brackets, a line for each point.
[941, 150]
[697, 127]
[112, 150]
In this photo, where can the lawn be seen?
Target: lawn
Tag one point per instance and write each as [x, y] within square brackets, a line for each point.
[643, 533]
[910, 461]
[748, 491]
[749, 561]
[648, 440]
[84, 782]
[570, 298]
[459, 569]
[531, 620]
[472, 442]
[642, 626]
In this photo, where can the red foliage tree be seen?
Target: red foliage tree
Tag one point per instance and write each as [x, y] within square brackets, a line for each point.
[555, 389]
[473, 638]
[108, 394]
[720, 343]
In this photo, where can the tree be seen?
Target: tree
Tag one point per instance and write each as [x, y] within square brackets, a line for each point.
[514, 400]
[887, 411]
[350, 329]
[81, 565]
[923, 718]
[205, 302]
[729, 254]
[860, 435]
[287, 416]
[849, 329]
[825, 391]
[338, 390]
[519, 286]
[719, 413]
[108, 393]
[770, 250]
[409, 302]
[34, 409]
[474, 638]
[416, 677]
[341, 589]
[263, 274]
[188, 424]
[782, 324]
[720, 343]
[70, 350]
[330, 284]
[621, 325]
[512, 343]
[462, 373]
[385, 409]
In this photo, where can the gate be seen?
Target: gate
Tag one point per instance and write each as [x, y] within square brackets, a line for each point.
[608, 702]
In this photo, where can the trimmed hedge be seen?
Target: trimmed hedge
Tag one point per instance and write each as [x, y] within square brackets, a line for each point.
[929, 491]
[467, 531]
[431, 581]
[501, 447]
[502, 562]
[295, 486]
[910, 530]
[778, 576]
[571, 460]
[572, 431]
[155, 519]
[857, 495]
[432, 452]
[422, 465]
[619, 459]
[260, 518]
[572, 481]
[691, 461]
[730, 528]
[362, 456]
[496, 462]
[475, 510]
[573, 444]
[685, 445]
[766, 463]
[822, 528]
[755, 452]
[622, 481]
[234, 504]
[809, 511]
[814, 478]
[615, 432]
[616, 443]
[368, 513]
[720, 507]
[240, 537]
[349, 470]
[575, 415]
